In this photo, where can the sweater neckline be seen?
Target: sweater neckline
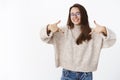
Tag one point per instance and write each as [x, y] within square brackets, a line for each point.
[77, 27]
[75, 32]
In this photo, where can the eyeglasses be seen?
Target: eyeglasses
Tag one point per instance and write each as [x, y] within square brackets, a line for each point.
[75, 14]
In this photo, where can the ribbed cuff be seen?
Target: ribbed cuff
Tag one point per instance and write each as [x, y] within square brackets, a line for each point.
[48, 31]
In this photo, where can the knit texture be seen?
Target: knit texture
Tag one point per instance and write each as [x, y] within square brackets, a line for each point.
[83, 57]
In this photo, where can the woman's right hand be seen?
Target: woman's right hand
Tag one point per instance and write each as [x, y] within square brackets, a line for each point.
[53, 27]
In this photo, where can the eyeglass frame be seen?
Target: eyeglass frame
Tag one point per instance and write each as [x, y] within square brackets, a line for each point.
[75, 14]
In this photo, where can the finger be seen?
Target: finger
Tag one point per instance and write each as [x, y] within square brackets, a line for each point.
[96, 23]
[91, 31]
[60, 30]
[58, 22]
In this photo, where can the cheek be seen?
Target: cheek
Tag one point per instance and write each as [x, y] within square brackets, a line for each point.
[71, 19]
[79, 19]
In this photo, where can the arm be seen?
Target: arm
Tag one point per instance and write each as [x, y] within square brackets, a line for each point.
[109, 39]
[46, 35]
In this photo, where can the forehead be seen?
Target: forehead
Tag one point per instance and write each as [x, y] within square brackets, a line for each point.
[75, 9]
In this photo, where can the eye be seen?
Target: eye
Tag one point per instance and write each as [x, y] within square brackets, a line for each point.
[78, 13]
[72, 14]
[75, 14]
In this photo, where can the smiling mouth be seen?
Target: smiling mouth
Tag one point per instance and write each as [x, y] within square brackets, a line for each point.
[76, 20]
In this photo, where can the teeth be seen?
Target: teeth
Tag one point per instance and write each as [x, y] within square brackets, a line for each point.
[75, 20]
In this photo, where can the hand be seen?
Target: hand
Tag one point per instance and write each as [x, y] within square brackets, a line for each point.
[99, 29]
[53, 27]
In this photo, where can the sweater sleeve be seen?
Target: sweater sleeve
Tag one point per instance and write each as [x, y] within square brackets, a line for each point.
[108, 40]
[46, 35]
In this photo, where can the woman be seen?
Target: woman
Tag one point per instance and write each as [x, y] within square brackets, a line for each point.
[77, 47]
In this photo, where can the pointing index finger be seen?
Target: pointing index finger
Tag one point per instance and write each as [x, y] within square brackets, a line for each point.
[96, 23]
[58, 22]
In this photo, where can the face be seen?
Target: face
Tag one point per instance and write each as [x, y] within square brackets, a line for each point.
[75, 15]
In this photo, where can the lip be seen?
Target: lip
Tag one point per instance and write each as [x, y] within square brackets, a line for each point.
[76, 20]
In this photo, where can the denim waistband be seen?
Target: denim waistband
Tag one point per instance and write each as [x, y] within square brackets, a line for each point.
[76, 75]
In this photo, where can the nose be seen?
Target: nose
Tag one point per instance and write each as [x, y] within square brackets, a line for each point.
[75, 16]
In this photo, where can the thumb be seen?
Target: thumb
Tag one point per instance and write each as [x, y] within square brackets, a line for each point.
[91, 31]
[96, 23]
[58, 22]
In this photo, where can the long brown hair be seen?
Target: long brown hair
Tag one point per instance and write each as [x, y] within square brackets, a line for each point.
[85, 28]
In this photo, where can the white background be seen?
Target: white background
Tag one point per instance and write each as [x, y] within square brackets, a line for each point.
[23, 56]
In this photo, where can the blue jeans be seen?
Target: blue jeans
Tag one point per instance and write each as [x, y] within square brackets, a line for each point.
[71, 75]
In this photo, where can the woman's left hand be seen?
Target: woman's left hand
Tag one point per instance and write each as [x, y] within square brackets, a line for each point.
[99, 29]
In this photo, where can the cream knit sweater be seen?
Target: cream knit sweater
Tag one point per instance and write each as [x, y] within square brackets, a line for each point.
[83, 57]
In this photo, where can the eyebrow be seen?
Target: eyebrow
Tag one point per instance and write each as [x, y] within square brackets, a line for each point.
[73, 12]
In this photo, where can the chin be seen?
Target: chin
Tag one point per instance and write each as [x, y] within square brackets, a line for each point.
[76, 23]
